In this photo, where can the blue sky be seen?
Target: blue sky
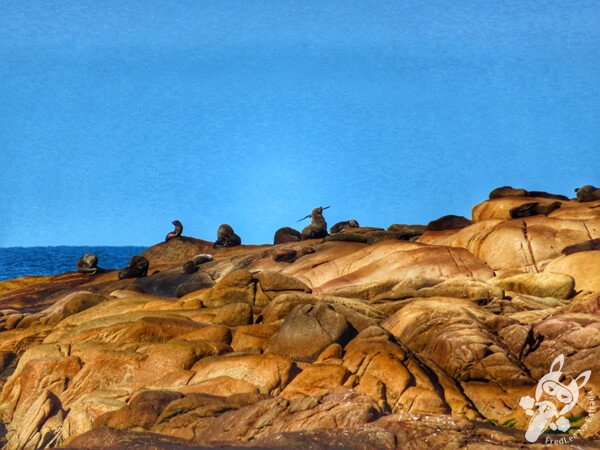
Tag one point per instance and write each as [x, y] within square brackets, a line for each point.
[118, 117]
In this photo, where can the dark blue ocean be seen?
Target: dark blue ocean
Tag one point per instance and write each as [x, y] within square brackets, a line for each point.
[21, 261]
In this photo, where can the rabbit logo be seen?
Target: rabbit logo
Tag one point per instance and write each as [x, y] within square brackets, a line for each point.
[553, 400]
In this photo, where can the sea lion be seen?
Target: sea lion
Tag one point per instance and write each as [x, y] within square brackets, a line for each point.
[291, 254]
[543, 194]
[586, 246]
[285, 235]
[406, 232]
[533, 209]
[191, 266]
[507, 191]
[176, 232]
[88, 264]
[343, 225]
[449, 222]
[137, 268]
[587, 193]
[202, 258]
[317, 228]
[226, 237]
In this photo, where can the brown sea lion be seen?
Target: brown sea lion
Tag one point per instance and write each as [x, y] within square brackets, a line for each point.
[176, 232]
[202, 258]
[587, 193]
[291, 254]
[533, 209]
[449, 222]
[88, 264]
[343, 225]
[317, 228]
[191, 266]
[543, 194]
[226, 237]
[586, 246]
[137, 268]
[285, 235]
[507, 191]
[406, 232]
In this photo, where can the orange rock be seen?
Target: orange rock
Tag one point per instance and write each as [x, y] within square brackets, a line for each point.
[584, 267]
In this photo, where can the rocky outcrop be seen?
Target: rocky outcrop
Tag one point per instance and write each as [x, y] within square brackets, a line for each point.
[370, 338]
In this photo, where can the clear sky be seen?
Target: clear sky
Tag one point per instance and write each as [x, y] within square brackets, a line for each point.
[118, 117]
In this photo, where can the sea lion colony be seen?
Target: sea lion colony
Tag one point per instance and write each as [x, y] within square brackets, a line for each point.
[317, 229]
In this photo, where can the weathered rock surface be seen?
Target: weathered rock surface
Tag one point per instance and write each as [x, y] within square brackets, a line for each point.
[400, 338]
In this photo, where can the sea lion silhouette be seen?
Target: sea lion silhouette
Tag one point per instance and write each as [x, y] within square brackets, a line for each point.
[176, 232]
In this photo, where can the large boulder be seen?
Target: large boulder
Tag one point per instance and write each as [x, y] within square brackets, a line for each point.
[307, 330]
[584, 267]
[538, 284]
[269, 373]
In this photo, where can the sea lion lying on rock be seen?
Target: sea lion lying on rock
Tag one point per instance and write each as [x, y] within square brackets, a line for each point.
[533, 209]
[449, 222]
[508, 191]
[191, 266]
[291, 254]
[285, 235]
[176, 232]
[588, 193]
[226, 237]
[88, 264]
[406, 232]
[586, 246]
[137, 268]
[317, 228]
[543, 194]
[343, 225]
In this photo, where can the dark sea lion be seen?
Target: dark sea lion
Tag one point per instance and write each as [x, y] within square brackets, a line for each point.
[317, 228]
[137, 268]
[407, 231]
[507, 191]
[285, 235]
[202, 258]
[587, 193]
[226, 237]
[586, 246]
[449, 222]
[542, 194]
[190, 267]
[88, 264]
[176, 232]
[292, 254]
[343, 225]
[347, 237]
[533, 209]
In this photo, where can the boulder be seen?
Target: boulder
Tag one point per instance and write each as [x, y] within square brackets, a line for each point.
[271, 280]
[538, 284]
[235, 287]
[583, 267]
[309, 329]
[141, 412]
[269, 373]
